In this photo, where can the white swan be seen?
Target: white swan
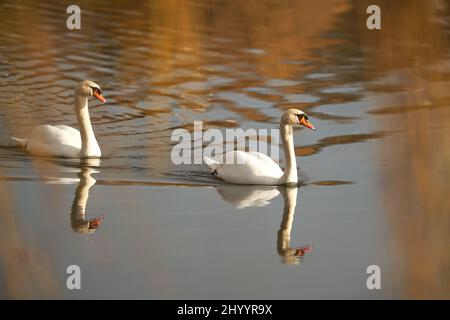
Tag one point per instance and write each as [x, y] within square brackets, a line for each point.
[257, 168]
[65, 141]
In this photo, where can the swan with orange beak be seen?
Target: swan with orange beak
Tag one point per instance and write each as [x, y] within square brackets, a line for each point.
[64, 141]
[257, 168]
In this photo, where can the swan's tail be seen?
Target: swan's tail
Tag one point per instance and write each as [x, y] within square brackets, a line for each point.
[212, 164]
[12, 142]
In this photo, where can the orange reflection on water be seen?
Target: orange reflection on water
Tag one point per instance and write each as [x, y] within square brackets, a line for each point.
[415, 162]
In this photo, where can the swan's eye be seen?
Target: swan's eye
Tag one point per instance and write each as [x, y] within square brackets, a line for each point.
[300, 116]
[96, 90]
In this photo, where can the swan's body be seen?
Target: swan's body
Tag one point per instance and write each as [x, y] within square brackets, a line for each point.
[56, 141]
[249, 168]
[65, 141]
[259, 169]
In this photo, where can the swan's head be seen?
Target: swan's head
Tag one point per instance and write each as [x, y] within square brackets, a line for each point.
[295, 116]
[90, 88]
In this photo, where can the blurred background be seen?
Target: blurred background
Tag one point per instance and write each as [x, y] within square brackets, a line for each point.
[374, 176]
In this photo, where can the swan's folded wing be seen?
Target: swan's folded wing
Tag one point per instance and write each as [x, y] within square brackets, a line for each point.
[264, 158]
[47, 140]
[249, 169]
[67, 129]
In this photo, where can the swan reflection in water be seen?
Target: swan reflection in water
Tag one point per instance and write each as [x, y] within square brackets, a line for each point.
[241, 196]
[259, 196]
[78, 220]
[288, 254]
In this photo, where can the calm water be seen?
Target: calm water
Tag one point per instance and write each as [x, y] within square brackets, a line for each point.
[374, 176]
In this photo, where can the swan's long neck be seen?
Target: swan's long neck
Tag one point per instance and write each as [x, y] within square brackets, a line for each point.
[89, 145]
[287, 138]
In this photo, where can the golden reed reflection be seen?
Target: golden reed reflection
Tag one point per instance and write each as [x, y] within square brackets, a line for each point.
[412, 50]
[27, 272]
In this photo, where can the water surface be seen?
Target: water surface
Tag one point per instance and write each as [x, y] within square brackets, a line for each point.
[379, 100]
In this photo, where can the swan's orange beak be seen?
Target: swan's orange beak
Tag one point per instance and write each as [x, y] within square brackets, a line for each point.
[306, 123]
[99, 96]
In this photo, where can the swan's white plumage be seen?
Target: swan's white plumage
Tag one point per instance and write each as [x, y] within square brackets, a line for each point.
[54, 141]
[266, 159]
[65, 141]
[257, 168]
[248, 168]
